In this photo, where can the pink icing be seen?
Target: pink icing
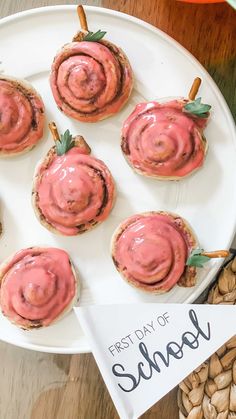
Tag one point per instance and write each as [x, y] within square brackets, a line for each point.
[151, 251]
[21, 117]
[162, 140]
[88, 81]
[37, 285]
[76, 190]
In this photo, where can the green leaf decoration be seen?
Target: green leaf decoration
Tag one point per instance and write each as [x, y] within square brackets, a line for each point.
[197, 108]
[65, 143]
[197, 259]
[94, 36]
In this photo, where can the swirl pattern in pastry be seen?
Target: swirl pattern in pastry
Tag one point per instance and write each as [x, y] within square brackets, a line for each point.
[21, 116]
[162, 140]
[91, 80]
[38, 285]
[150, 251]
[73, 192]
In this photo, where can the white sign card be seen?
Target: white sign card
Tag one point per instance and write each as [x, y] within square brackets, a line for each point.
[145, 350]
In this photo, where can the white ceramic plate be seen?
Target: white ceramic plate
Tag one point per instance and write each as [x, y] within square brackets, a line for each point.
[162, 68]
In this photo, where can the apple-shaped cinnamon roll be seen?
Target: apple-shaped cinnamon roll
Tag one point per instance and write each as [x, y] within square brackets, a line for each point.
[165, 140]
[150, 251]
[21, 116]
[37, 287]
[91, 78]
[73, 191]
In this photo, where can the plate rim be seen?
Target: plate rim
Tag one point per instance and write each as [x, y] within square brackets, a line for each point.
[230, 122]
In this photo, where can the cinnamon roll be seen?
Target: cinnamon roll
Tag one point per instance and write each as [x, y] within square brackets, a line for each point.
[150, 251]
[90, 80]
[37, 287]
[21, 116]
[74, 192]
[161, 140]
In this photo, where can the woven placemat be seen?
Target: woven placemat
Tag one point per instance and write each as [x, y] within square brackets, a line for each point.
[209, 392]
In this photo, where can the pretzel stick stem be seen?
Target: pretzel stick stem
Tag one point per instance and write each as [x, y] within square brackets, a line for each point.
[53, 128]
[194, 88]
[82, 18]
[216, 254]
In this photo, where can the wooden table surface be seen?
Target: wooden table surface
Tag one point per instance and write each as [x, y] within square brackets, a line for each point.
[44, 386]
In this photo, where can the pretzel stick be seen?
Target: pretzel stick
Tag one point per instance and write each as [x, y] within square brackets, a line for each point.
[194, 88]
[216, 254]
[53, 128]
[82, 18]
